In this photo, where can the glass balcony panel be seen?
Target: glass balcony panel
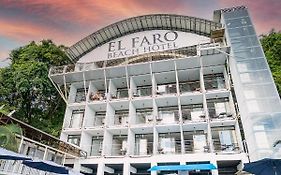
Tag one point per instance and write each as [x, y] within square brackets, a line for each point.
[119, 146]
[224, 139]
[144, 116]
[99, 119]
[189, 86]
[74, 139]
[169, 143]
[76, 119]
[168, 115]
[144, 144]
[97, 95]
[193, 112]
[214, 81]
[121, 117]
[219, 108]
[142, 91]
[166, 89]
[195, 142]
[96, 147]
[80, 95]
[122, 93]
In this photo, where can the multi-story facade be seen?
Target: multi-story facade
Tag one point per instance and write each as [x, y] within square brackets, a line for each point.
[170, 90]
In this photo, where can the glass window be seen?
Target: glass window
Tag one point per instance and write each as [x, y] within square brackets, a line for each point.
[74, 139]
[76, 118]
[80, 95]
[96, 147]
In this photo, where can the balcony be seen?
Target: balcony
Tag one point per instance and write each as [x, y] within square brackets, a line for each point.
[195, 142]
[214, 81]
[121, 117]
[119, 145]
[167, 115]
[144, 144]
[165, 89]
[193, 113]
[120, 93]
[144, 116]
[99, 119]
[169, 143]
[96, 147]
[99, 95]
[80, 95]
[219, 109]
[76, 119]
[190, 86]
[142, 91]
[225, 140]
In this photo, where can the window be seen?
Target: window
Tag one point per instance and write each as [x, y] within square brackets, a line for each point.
[96, 147]
[76, 118]
[80, 95]
[74, 139]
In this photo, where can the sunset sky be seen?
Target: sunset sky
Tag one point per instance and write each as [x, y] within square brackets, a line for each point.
[68, 21]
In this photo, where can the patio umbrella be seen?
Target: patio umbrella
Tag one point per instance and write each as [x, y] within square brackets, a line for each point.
[46, 166]
[10, 155]
[264, 167]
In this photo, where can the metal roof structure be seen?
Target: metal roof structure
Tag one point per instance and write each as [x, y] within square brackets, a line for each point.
[141, 23]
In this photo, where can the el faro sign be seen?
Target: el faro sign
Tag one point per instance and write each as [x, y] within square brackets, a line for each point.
[142, 43]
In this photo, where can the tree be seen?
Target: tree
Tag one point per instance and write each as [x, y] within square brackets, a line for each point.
[8, 136]
[271, 44]
[25, 86]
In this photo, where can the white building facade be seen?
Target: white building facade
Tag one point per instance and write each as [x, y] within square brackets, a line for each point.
[170, 90]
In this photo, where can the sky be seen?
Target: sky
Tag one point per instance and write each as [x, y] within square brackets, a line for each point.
[68, 21]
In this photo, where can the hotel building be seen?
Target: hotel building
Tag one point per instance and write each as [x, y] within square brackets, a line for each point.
[167, 90]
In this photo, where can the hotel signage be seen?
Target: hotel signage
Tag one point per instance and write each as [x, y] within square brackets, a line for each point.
[142, 43]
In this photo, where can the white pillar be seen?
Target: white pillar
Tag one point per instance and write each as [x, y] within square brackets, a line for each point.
[77, 165]
[100, 169]
[214, 172]
[152, 165]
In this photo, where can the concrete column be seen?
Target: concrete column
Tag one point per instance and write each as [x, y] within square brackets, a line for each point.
[77, 165]
[152, 165]
[214, 172]
[100, 169]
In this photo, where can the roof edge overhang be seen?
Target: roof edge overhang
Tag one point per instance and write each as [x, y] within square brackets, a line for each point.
[137, 24]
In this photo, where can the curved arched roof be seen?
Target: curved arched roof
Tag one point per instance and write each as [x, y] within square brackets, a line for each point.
[141, 23]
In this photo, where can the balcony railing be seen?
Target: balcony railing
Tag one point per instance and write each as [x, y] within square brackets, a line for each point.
[215, 81]
[142, 91]
[144, 117]
[143, 147]
[121, 119]
[229, 147]
[169, 146]
[97, 96]
[166, 89]
[166, 117]
[193, 86]
[96, 148]
[117, 149]
[119, 94]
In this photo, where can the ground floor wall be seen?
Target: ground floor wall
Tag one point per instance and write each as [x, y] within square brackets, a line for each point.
[225, 163]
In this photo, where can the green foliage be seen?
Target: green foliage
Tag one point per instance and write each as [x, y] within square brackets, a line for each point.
[271, 44]
[25, 86]
[8, 137]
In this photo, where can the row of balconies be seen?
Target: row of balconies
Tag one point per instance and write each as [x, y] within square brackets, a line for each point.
[218, 109]
[211, 82]
[223, 140]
